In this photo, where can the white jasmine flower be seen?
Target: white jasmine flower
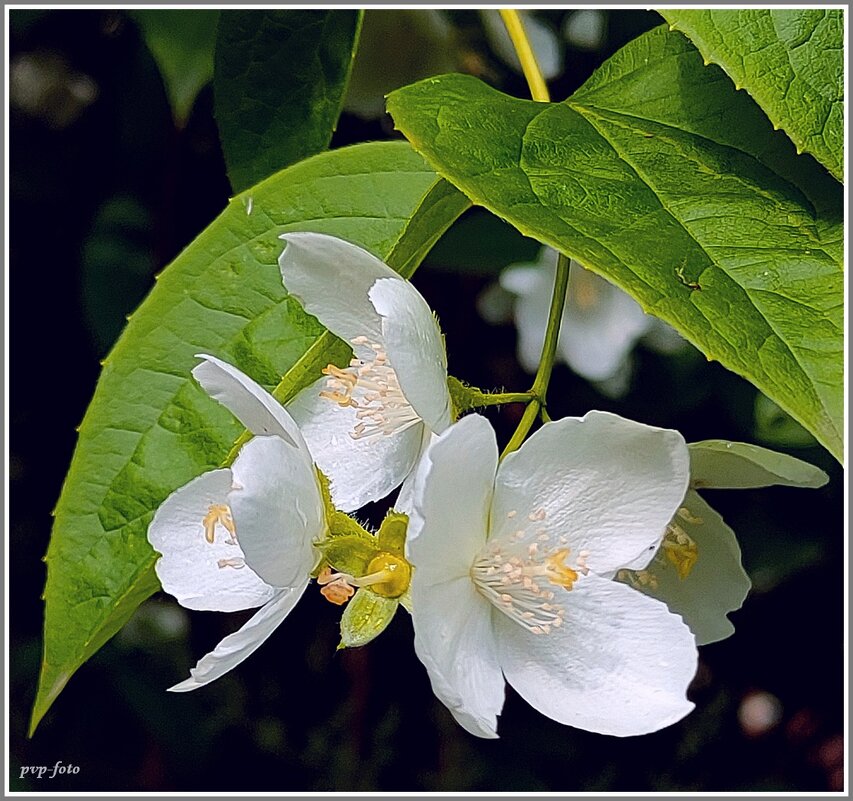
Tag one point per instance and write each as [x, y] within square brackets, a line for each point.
[511, 563]
[601, 324]
[367, 423]
[698, 572]
[242, 537]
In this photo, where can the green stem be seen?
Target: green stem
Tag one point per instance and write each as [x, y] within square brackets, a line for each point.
[515, 28]
[552, 332]
[536, 406]
[546, 360]
[524, 425]
[500, 398]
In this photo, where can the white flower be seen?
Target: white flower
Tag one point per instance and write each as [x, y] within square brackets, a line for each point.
[586, 28]
[510, 562]
[698, 572]
[366, 424]
[242, 537]
[601, 324]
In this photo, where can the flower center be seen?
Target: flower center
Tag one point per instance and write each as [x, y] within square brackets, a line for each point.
[586, 289]
[387, 575]
[518, 577]
[371, 387]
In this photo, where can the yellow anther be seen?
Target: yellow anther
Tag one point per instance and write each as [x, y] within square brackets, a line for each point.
[687, 516]
[341, 385]
[558, 572]
[680, 550]
[334, 587]
[218, 513]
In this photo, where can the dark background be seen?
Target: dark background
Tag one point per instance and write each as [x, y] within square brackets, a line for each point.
[104, 192]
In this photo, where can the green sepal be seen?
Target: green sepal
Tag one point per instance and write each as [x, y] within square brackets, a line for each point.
[325, 492]
[366, 616]
[462, 396]
[342, 525]
[392, 532]
[465, 397]
[350, 554]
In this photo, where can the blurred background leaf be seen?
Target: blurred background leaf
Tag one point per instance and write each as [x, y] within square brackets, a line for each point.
[181, 41]
[398, 46]
[279, 81]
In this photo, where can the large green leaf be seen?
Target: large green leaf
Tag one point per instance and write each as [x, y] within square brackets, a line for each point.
[278, 84]
[181, 41]
[791, 60]
[661, 177]
[150, 429]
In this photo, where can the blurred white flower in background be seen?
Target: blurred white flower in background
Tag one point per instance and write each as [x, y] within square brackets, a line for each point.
[585, 29]
[600, 327]
[42, 84]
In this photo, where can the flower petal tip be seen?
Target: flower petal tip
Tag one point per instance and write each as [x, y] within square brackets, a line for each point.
[185, 686]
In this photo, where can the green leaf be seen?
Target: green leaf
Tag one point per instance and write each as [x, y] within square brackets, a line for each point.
[181, 42]
[366, 616]
[791, 60]
[659, 176]
[278, 84]
[719, 464]
[150, 428]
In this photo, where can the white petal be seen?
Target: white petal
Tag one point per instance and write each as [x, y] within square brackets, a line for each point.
[620, 664]
[715, 586]
[721, 464]
[242, 643]
[455, 642]
[359, 470]
[447, 527]
[415, 349]
[331, 278]
[608, 484]
[247, 400]
[406, 497]
[601, 324]
[189, 567]
[277, 509]
[453, 490]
